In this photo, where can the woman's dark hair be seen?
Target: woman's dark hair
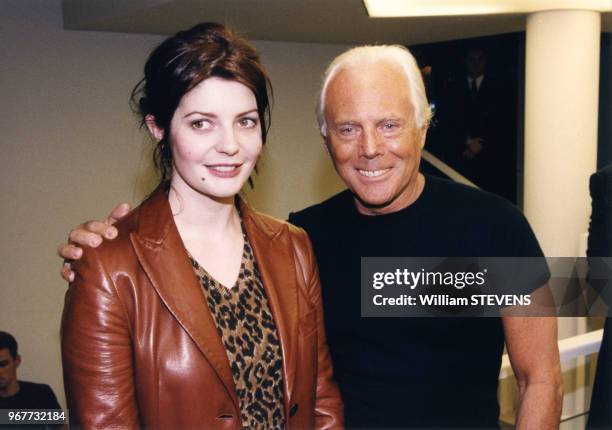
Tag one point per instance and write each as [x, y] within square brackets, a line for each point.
[184, 60]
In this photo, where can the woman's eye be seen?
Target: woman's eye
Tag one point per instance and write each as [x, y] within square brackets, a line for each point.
[201, 124]
[247, 122]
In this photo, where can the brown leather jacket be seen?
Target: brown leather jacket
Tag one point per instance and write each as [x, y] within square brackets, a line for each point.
[140, 347]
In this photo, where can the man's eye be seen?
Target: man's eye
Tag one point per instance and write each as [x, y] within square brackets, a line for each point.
[347, 130]
[390, 126]
[247, 122]
[201, 124]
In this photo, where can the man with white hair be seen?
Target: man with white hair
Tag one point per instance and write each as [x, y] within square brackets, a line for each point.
[373, 116]
[409, 372]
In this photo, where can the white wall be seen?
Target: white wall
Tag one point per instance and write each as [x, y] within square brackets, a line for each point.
[295, 170]
[70, 149]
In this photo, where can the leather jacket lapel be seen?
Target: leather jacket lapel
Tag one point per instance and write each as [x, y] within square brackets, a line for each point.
[279, 277]
[162, 255]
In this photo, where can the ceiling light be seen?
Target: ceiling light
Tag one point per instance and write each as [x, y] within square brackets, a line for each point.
[406, 8]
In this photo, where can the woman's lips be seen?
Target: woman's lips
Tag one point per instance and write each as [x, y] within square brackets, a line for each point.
[224, 170]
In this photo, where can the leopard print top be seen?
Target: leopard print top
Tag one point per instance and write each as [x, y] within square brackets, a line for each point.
[248, 332]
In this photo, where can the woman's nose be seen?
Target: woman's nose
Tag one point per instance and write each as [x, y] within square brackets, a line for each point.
[228, 142]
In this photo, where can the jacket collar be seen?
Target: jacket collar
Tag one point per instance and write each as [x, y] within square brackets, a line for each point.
[155, 228]
[163, 257]
[272, 248]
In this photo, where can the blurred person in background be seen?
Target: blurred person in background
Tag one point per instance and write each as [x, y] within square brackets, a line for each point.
[16, 394]
[600, 245]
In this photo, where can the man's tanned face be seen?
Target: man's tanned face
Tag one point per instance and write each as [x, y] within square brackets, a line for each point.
[372, 136]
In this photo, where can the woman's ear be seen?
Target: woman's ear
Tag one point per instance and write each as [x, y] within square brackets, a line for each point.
[154, 129]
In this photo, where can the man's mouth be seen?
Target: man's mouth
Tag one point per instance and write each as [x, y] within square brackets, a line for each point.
[372, 173]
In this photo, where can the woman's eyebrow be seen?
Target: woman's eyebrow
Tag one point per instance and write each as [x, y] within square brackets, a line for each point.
[197, 112]
[213, 115]
[247, 112]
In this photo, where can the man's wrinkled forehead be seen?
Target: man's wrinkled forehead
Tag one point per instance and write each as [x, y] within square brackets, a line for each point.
[367, 86]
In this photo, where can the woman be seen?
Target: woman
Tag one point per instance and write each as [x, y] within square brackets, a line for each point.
[202, 313]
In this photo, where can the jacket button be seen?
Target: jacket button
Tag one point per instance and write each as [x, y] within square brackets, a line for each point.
[293, 410]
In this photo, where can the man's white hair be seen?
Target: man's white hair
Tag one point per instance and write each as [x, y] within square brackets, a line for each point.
[367, 55]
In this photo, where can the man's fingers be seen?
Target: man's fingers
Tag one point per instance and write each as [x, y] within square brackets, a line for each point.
[84, 237]
[69, 251]
[119, 212]
[91, 233]
[101, 228]
[66, 272]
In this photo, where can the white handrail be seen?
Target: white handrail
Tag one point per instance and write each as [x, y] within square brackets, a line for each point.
[446, 169]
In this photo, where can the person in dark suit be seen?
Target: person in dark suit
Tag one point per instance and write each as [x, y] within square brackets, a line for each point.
[479, 125]
[600, 245]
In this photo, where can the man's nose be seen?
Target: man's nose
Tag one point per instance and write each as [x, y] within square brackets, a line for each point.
[228, 142]
[370, 146]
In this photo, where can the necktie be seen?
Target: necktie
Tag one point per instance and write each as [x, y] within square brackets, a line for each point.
[473, 88]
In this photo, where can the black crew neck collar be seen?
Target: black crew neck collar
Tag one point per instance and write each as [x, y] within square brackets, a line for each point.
[391, 215]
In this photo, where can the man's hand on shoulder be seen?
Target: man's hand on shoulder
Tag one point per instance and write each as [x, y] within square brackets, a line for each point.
[90, 233]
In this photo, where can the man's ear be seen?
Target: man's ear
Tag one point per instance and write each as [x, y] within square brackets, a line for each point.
[423, 135]
[154, 129]
[325, 143]
[17, 360]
